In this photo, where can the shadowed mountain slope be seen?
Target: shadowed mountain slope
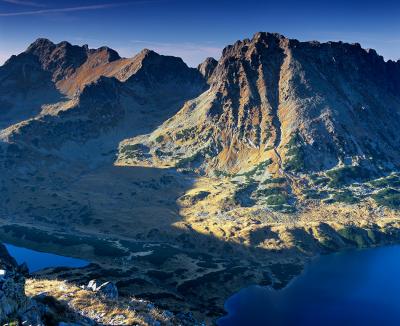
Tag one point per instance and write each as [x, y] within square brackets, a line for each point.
[105, 96]
[174, 180]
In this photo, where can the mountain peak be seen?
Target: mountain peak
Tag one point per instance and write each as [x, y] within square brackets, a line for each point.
[112, 54]
[41, 45]
[147, 51]
[41, 41]
[259, 39]
[147, 54]
[267, 36]
[104, 54]
[207, 67]
[278, 98]
[60, 59]
[64, 44]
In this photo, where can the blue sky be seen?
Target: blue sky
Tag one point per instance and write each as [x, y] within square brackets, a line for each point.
[196, 29]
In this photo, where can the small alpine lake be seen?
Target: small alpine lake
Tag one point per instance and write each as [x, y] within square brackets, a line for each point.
[355, 287]
[37, 260]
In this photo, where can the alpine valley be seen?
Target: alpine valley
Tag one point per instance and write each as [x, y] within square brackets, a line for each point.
[184, 185]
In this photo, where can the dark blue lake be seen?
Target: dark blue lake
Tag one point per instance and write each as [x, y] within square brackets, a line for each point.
[37, 260]
[359, 287]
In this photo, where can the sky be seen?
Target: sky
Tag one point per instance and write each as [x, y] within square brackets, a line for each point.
[195, 30]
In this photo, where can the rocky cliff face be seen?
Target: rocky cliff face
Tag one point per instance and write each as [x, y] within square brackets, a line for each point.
[207, 67]
[306, 106]
[61, 60]
[279, 151]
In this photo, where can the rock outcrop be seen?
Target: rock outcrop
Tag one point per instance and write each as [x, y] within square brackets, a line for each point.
[14, 304]
[207, 68]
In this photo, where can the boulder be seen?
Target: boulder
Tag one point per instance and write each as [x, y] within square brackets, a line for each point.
[93, 285]
[107, 289]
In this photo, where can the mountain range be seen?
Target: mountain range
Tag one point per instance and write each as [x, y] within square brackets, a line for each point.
[276, 152]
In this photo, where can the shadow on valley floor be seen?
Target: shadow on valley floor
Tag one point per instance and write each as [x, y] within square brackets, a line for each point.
[124, 220]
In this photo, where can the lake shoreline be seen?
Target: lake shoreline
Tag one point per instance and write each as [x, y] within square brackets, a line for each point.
[329, 283]
[134, 277]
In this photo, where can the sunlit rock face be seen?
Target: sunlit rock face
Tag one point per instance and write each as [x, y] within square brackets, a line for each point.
[306, 106]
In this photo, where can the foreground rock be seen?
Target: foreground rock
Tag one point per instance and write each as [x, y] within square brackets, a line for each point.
[50, 302]
[83, 306]
[14, 304]
[107, 289]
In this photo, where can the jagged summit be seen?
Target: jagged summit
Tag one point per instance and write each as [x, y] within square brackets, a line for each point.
[146, 52]
[267, 94]
[278, 151]
[207, 67]
[101, 90]
[157, 69]
[110, 54]
[60, 59]
[306, 106]
[40, 45]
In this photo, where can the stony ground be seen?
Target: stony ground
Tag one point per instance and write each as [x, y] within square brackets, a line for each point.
[74, 304]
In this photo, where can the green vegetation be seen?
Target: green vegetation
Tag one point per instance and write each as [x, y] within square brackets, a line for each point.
[218, 277]
[196, 197]
[159, 139]
[265, 192]
[347, 175]
[355, 236]
[319, 180]
[159, 153]
[276, 200]
[346, 197]
[257, 170]
[279, 180]
[130, 148]
[268, 133]
[188, 160]
[185, 133]
[219, 173]
[314, 194]
[388, 198]
[295, 154]
[12, 322]
[389, 181]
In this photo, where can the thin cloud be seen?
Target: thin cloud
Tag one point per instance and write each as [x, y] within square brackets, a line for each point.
[24, 3]
[70, 9]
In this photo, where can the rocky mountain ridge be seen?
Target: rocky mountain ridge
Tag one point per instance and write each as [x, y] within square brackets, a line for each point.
[282, 109]
[103, 93]
[271, 96]
[279, 151]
